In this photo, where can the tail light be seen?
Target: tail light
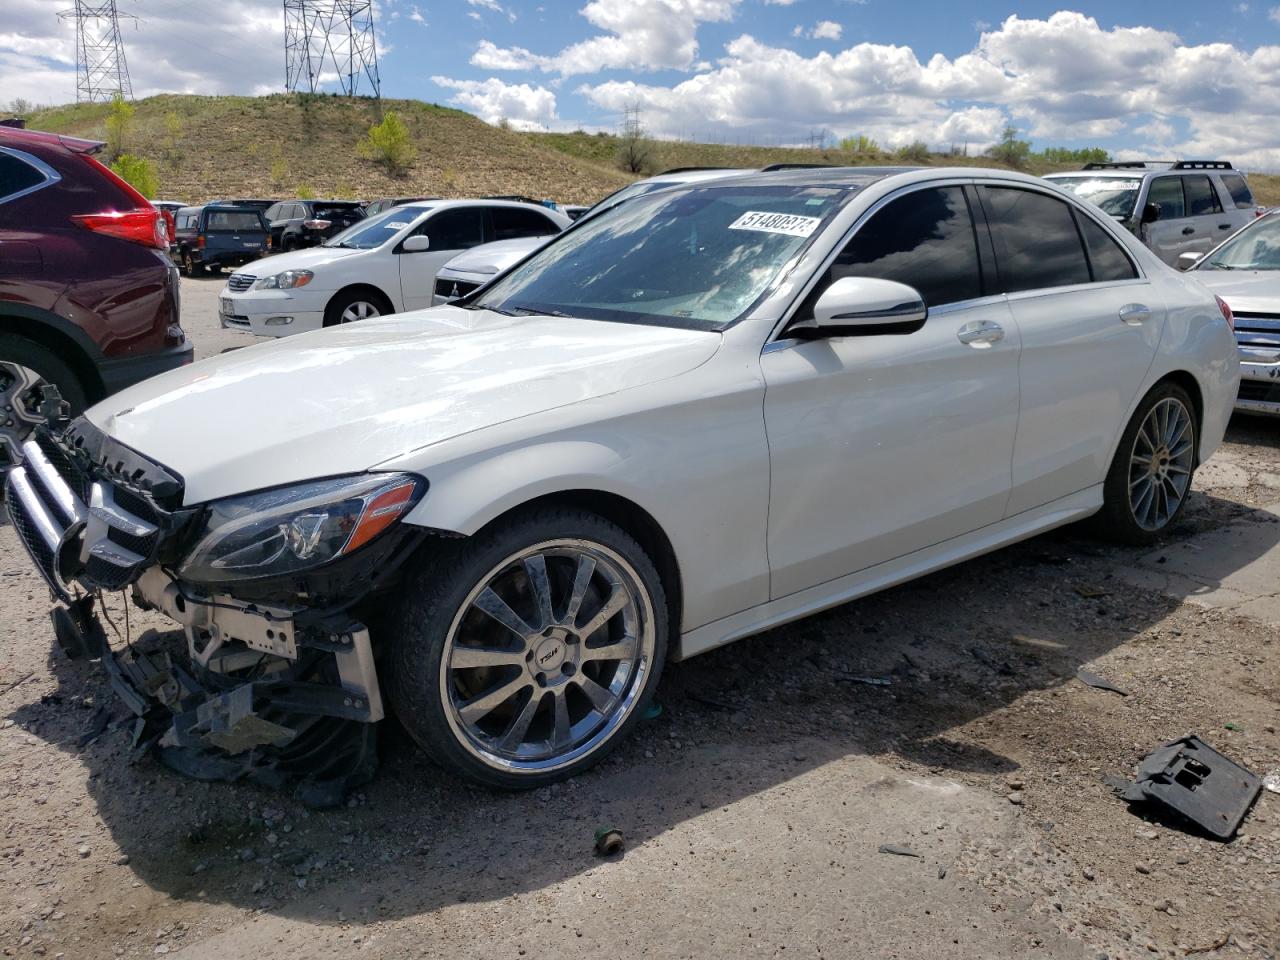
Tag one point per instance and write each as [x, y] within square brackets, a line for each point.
[200, 241]
[1227, 315]
[316, 224]
[143, 224]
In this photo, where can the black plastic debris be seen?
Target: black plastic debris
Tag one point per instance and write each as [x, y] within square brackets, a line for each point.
[898, 851]
[1190, 779]
[1091, 679]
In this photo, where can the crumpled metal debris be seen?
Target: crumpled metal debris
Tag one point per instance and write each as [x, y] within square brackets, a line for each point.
[1089, 678]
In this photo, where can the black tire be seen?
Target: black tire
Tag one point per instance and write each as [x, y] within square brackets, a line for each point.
[50, 368]
[434, 595]
[190, 266]
[288, 244]
[348, 298]
[1117, 521]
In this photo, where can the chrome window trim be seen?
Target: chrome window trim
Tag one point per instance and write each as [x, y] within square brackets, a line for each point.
[51, 176]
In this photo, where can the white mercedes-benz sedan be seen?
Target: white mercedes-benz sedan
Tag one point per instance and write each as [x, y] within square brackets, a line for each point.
[708, 411]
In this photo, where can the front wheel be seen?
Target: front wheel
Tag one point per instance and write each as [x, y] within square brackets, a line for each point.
[523, 656]
[1147, 486]
[353, 306]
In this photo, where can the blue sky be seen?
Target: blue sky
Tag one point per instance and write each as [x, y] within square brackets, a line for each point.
[1176, 77]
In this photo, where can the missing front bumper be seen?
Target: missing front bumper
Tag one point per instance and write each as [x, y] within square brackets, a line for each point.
[247, 691]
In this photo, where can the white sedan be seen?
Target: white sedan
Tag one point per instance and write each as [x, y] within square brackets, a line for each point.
[693, 417]
[383, 264]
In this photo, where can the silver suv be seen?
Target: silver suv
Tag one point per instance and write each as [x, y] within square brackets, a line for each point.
[1174, 207]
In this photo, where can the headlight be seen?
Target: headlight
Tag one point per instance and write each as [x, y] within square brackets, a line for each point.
[285, 281]
[292, 529]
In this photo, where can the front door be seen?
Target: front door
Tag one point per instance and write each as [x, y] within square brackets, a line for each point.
[451, 231]
[882, 445]
[1176, 232]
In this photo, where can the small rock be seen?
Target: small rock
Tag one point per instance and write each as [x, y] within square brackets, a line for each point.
[82, 850]
[1146, 834]
[1142, 868]
[1015, 798]
[122, 860]
[1087, 873]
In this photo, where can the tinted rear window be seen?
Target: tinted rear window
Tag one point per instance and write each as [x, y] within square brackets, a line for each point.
[237, 220]
[1106, 257]
[1202, 199]
[17, 175]
[1238, 187]
[1036, 240]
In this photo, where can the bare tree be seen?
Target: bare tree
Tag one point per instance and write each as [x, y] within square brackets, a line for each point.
[635, 153]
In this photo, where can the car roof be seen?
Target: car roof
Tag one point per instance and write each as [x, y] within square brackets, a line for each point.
[471, 201]
[20, 137]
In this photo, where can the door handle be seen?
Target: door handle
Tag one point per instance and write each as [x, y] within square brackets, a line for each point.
[1135, 314]
[1188, 231]
[980, 333]
[1224, 226]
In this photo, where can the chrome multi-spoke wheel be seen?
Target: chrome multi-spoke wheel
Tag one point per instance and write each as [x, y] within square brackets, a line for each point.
[1149, 481]
[548, 655]
[20, 401]
[1160, 463]
[359, 310]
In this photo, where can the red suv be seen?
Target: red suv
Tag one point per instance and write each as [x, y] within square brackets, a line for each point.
[88, 294]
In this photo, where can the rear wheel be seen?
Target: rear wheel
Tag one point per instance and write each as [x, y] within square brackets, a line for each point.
[24, 368]
[1150, 478]
[190, 266]
[524, 655]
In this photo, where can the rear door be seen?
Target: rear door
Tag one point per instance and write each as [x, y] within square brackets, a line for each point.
[1089, 325]
[882, 445]
[510, 223]
[1205, 212]
[450, 231]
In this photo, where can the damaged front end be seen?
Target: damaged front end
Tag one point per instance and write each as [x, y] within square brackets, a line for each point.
[273, 678]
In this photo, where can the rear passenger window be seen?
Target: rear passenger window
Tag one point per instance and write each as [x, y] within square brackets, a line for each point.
[511, 222]
[1107, 258]
[17, 175]
[1202, 199]
[925, 240]
[455, 229]
[1036, 240]
[1238, 187]
[1167, 191]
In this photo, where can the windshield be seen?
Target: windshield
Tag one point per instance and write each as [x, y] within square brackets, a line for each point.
[374, 231]
[1115, 195]
[696, 258]
[1255, 248]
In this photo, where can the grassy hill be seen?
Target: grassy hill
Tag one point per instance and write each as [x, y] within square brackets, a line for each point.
[602, 149]
[275, 146]
[206, 147]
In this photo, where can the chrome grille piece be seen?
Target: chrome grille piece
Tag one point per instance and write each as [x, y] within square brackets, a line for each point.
[240, 282]
[105, 539]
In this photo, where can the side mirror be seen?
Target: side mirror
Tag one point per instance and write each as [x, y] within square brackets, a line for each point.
[864, 306]
[1187, 261]
[1151, 213]
[416, 244]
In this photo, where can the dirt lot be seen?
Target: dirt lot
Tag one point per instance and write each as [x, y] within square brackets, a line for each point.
[754, 807]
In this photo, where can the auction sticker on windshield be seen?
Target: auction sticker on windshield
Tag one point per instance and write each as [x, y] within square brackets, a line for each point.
[785, 223]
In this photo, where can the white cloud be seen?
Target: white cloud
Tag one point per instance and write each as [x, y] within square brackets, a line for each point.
[416, 16]
[826, 30]
[525, 107]
[1274, 14]
[778, 3]
[1058, 79]
[487, 5]
[638, 35]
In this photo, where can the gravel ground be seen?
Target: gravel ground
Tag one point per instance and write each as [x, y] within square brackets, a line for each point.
[754, 807]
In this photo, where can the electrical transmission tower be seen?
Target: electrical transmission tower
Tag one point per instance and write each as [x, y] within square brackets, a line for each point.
[327, 41]
[101, 71]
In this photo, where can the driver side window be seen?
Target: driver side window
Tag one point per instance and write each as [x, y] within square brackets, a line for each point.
[924, 239]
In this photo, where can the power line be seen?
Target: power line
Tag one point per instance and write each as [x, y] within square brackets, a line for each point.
[327, 40]
[101, 70]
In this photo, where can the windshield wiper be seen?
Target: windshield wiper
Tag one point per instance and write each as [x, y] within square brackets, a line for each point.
[1219, 265]
[530, 312]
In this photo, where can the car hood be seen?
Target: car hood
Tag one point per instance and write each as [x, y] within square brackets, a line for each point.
[345, 399]
[492, 258]
[1247, 291]
[307, 259]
